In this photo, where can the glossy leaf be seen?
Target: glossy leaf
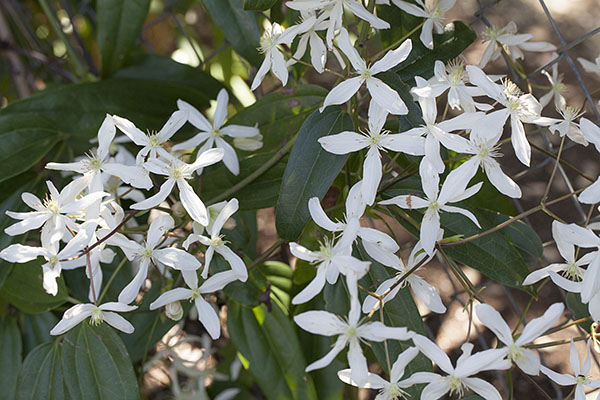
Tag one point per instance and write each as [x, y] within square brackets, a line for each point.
[23, 289]
[79, 109]
[260, 5]
[25, 140]
[152, 67]
[446, 47]
[578, 309]
[310, 171]
[239, 27]
[119, 25]
[41, 377]
[98, 364]
[36, 329]
[268, 341]
[10, 356]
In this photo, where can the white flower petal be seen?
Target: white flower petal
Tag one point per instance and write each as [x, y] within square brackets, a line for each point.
[342, 92]
[118, 322]
[536, 327]
[177, 259]
[434, 353]
[482, 388]
[153, 201]
[386, 97]
[195, 117]
[318, 215]
[312, 289]
[344, 142]
[320, 323]
[236, 263]
[328, 358]
[208, 317]
[72, 317]
[494, 322]
[392, 58]
[192, 203]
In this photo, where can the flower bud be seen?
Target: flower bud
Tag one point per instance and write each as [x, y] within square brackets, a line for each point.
[178, 209]
[174, 311]
[248, 144]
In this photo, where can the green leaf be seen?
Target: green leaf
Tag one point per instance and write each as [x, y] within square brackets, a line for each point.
[260, 5]
[239, 27]
[36, 329]
[280, 115]
[10, 356]
[164, 69]
[98, 364]
[310, 171]
[260, 193]
[578, 309]
[268, 341]
[41, 377]
[119, 24]
[25, 140]
[446, 46]
[23, 289]
[79, 109]
[493, 255]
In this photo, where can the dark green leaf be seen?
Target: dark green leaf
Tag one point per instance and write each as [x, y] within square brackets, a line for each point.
[10, 356]
[578, 309]
[260, 193]
[98, 364]
[41, 377]
[260, 5]
[36, 329]
[23, 289]
[79, 109]
[446, 46]
[164, 69]
[119, 24]
[25, 140]
[310, 171]
[269, 343]
[280, 115]
[493, 255]
[239, 27]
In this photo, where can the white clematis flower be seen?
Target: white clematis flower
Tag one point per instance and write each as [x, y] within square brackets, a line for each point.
[216, 243]
[318, 50]
[150, 253]
[178, 172]
[273, 37]
[152, 144]
[453, 190]
[106, 312]
[56, 213]
[433, 11]
[460, 377]
[526, 359]
[376, 139]
[434, 132]
[567, 275]
[18, 253]
[512, 42]
[591, 132]
[212, 134]
[424, 291]
[389, 390]
[580, 376]
[206, 313]
[350, 333]
[334, 10]
[386, 97]
[453, 77]
[557, 88]
[95, 164]
[329, 261]
[482, 145]
[518, 106]
[568, 126]
[379, 245]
